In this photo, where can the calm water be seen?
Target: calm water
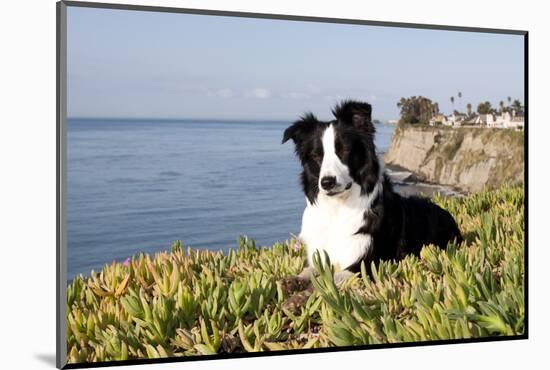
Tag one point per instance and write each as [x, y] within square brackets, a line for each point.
[139, 185]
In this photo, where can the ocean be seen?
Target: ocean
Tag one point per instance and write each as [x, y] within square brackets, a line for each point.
[138, 185]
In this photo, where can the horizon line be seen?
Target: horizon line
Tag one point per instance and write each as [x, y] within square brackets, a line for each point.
[197, 119]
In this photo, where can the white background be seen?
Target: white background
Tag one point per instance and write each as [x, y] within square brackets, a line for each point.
[27, 183]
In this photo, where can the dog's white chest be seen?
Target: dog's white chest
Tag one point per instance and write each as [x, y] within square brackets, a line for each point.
[331, 226]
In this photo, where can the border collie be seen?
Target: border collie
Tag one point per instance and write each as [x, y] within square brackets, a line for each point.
[352, 211]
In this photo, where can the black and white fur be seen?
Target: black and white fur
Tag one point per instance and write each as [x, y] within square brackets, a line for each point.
[352, 212]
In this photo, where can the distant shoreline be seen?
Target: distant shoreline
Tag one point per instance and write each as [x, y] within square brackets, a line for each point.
[403, 178]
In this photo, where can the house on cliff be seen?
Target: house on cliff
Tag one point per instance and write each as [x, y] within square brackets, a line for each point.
[438, 119]
[456, 119]
[453, 120]
[504, 119]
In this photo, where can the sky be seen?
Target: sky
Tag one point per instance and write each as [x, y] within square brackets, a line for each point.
[135, 64]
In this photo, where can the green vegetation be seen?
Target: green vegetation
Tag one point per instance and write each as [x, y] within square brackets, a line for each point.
[417, 110]
[485, 108]
[187, 303]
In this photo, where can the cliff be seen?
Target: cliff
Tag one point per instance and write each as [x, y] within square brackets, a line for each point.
[467, 158]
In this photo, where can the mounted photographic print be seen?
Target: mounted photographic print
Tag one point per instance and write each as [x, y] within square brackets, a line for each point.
[235, 184]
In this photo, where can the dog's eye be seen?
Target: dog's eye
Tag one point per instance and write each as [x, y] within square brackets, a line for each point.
[343, 152]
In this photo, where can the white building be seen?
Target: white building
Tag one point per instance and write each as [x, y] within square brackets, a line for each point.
[505, 120]
[491, 120]
[438, 119]
[455, 119]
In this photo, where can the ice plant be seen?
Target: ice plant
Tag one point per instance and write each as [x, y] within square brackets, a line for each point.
[189, 302]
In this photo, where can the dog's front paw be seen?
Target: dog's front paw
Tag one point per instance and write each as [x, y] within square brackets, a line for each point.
[341, 276]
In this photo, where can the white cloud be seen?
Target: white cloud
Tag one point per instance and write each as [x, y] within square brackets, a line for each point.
[296, 95]
[225, 93]
[313, 89]
[221, 93]
[309, 91]
[258, 93]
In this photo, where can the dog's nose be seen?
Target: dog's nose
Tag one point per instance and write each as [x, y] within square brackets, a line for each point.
[328, 182]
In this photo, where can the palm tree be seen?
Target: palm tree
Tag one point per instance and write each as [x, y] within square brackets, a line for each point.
[516, 105]
[484, 108]
[401, 102]
[469, 109]
[509, 100]
[501, 105]
[460, 98]
[453, 102]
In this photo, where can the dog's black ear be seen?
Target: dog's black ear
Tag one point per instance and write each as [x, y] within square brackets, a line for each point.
[300, 128]
[355, 113]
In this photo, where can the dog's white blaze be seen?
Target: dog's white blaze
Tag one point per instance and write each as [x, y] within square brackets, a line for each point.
[332, 222]
[332, 165]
